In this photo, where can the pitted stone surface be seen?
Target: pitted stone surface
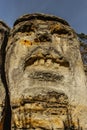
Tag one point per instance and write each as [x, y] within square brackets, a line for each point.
[44, 73]
[45, 81]
[4, 30]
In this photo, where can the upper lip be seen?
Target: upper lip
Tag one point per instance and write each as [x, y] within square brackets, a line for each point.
[60, 61]
[47, 53]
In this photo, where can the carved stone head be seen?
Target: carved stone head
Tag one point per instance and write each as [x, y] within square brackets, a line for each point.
[44, 71]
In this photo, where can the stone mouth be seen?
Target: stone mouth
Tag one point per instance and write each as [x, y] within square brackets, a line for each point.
[46, 61]
[46, 68]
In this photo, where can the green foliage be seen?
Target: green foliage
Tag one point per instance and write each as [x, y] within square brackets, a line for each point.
[82, 36]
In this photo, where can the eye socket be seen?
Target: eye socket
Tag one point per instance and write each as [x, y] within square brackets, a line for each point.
[60, 30]
[26, 28]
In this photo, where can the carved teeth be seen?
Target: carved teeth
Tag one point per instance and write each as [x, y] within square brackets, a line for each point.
[41, 61]
[56, 65]
[48, 62]
[36, 62]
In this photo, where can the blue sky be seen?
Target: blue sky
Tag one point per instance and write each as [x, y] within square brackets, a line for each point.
[73, 11]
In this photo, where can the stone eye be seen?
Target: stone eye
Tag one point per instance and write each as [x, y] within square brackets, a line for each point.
[60, 30]
[26, 28]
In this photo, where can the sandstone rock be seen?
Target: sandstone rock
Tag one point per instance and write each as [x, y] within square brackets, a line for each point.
[4, 30]
[83, 49]
[44, 73]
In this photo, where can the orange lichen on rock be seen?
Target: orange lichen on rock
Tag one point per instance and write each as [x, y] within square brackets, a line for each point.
[26, 42]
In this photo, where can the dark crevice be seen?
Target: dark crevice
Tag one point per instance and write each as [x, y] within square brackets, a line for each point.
[69, 123]
[46, 76]
[7, 109]
[4, 24]
[59, 61]
[60, 31]
[25, 28]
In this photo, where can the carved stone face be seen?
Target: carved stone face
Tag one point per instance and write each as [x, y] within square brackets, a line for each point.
[43, 65]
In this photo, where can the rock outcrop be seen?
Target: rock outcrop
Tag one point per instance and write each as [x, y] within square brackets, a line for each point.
[44, 73]
[83, 49]
[4, 31]
[42, 80]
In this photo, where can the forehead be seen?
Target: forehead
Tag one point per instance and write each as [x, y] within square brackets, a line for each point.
[44, 23]
[34, 25]
[38, 28]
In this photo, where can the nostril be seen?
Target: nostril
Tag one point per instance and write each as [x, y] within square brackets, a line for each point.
[61, 58]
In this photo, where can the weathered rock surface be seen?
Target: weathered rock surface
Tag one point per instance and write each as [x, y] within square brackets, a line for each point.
[83, 49]
[44, 73]
[4, 30]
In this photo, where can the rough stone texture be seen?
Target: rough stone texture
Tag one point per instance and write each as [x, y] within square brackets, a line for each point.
[4, 29]
[45, 74]
[83, 49]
